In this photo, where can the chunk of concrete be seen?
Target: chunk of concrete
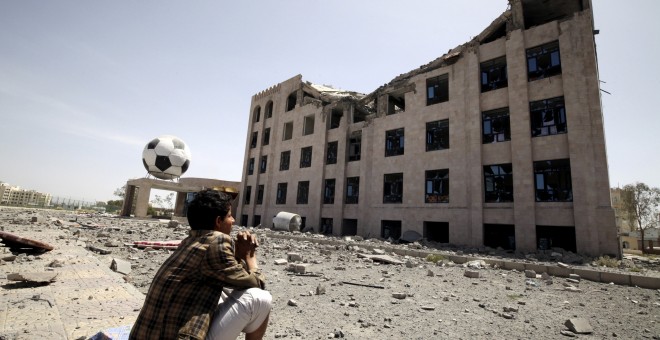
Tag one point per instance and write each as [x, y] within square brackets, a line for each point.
[579, 326]
[36, 277]
[121, 266]
[293, 257]
[473, 274]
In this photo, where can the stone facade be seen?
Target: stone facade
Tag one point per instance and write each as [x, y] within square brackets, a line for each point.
[531, 206]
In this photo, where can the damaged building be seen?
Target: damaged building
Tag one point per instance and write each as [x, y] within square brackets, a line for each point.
[497, 143]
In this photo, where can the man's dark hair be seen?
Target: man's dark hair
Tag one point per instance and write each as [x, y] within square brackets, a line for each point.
[205, 207]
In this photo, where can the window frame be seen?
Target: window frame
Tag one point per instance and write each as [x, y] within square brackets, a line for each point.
[438, 179]
[280, 197]
[266, 137]
[437, 131]
[549, 50]
[395, 142]
[393, 188]
[437, 89]
[538, 111]
[331, 152]
[260, 194]
[308, 128]
[306, 157]
[250, 168]
[302, 196]
[285, 161]
[329, 189]
[263, 164]
[497, 116]
[352, 195]
[253, 141]
[504, 178]
[494, 68]
[287, 134]
[543, 171]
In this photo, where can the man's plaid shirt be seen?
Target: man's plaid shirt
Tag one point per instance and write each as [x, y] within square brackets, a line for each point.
[185, 291]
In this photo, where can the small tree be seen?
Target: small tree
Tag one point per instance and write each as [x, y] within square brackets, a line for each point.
[641, 205]
[120, 192]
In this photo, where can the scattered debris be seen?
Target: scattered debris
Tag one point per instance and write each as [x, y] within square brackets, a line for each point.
[34, 277]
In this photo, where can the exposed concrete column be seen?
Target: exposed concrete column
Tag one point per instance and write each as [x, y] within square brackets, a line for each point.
[179, 203]
[521, 143]
[129, 196]
[142, 203]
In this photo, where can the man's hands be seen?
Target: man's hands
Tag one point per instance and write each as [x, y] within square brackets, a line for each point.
[246, 246]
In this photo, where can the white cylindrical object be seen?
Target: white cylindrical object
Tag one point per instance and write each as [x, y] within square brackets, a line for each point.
[287, 221]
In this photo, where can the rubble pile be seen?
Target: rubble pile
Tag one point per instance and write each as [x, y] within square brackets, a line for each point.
[336, 287]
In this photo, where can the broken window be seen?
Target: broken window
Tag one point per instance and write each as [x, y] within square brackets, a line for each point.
[548, 117]
[329, 191]
[395, 104]
[437, 186]
[500, 236]
[543, 61]
[253, 141]
[306, 157]
[393, 188]
[349, 227]
[354, 146]
[281, 193]
[436, 231]
[266, 136]
[394, 142]
[331, 155]
[548, 237]
[288, 131]
[269, 109]
[308, 125]
[437, 135]
[248, 192]
[250, 169]
[496, 127]
[493, 74]
[260, 194]
[291, 101]
[552, 181]
[256, 220]
[390, 229]
[264, 162]
[285, 156]
[335, 118]
[437, 89]
[244, 220]
[498, 183]
[359, 116]
[352, 190]
[326, 226]
[303, 192]
[256, 113]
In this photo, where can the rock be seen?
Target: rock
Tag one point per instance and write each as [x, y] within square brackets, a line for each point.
[574, 277]
[173, 223]
[56, 264]
[409, 264]
[530, 274]
[572, 289]
[399, 296]
[281, 262]
[120, 266]
[473, 274]
[377, 251]
[579, 326]
[508, 316]
[562, 265]
[476, 264]
[411, 236]
[428, 308]
[294, 257]
[320, 289]
[430, 273]
[35, 277]
[568, 333]
[298, 268]
[36, 219]
[508, 309]
[572, 280]
[292, 303]
[326, 252]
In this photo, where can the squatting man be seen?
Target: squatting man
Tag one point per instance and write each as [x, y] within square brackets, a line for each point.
[189, 296]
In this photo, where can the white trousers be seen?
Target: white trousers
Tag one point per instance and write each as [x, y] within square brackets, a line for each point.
[240, 311]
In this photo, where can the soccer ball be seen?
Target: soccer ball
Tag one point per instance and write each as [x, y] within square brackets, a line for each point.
[166, 157]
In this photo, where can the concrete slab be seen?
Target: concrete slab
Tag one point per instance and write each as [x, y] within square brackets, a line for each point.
[514, 265]
[538, 268]
[587, 274]
[617, 278]
[559, 271]
[645, 281]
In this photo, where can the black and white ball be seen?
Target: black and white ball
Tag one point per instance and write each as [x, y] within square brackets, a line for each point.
[166, 157]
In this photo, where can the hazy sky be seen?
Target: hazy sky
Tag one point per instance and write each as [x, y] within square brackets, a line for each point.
[84, 85]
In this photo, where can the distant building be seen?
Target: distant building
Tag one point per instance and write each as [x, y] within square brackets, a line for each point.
[10, 195]
[497, 143]
[629, 236]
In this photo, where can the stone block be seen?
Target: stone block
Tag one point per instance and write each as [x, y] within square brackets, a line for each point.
[617, 278]
[645, 281]
[457, 259]
[294, 257]
[579, 326]
[121, 266]
[473, 274]
[530, 274]
[559, 271]
[495, 263]
[536, 268]
[281, 262]
[514, 265]
[587, 274]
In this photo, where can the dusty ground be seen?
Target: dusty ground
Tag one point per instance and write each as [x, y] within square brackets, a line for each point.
[436, 300]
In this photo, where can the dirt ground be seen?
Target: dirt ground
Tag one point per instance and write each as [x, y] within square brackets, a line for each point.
[343, 295]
